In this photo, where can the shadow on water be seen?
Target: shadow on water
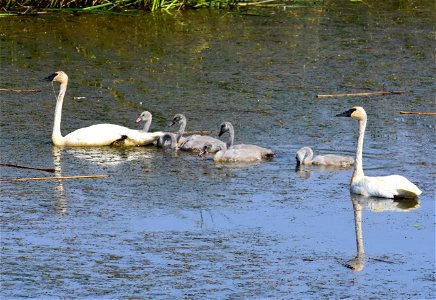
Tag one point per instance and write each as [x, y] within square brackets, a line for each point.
[376, 205]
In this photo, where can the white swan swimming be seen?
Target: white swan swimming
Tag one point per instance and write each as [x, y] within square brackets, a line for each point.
[383, 186]
[237, 153]
[95, 135]
[195, 142]
[304, 156]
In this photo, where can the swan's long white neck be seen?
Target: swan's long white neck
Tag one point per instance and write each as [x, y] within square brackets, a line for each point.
[231, 136]
[56, 136]
[358, 165]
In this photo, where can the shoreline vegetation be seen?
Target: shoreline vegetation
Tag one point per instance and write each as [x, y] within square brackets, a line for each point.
[19, 7]
[33, 7]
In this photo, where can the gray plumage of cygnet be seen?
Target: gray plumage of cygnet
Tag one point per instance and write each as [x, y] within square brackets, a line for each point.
[238, 153]
[145, 117]
[167, 137]
[304, 156]
[194, 143]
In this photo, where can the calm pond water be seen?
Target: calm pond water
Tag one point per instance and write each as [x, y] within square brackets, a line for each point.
[164, 225]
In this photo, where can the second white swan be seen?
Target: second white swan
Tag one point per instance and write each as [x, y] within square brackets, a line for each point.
[382, 186]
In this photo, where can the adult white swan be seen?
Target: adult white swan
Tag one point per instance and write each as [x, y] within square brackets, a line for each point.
[304, 156]
[384, 186]
[95, 135]
[237, 153]
[195, 142]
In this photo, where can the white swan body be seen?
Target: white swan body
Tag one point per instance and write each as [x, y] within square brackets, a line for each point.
[194, 143]
[95, 135]
[383, 186]
[304, 156]
[238, 153]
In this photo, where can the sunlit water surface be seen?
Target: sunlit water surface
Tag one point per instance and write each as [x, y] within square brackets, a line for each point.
[166, 225]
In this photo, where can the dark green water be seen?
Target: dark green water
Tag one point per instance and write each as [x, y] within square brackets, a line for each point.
[166, 225]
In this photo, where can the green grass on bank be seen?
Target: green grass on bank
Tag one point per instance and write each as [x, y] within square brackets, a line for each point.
[31, 6]
[17, 7]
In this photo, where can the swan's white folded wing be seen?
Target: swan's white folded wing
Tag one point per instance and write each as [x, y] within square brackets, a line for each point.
[385, 186]
[96, 135]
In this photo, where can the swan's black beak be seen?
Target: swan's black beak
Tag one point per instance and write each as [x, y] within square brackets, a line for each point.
[51, 77]
[347, 113]
[171, 123]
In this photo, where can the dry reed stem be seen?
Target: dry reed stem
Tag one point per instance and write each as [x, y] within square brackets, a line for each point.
[54, 178]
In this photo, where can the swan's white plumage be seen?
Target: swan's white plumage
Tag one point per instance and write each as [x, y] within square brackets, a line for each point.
[100, 134]
[382, 186]
[385, 187]
[95, 135]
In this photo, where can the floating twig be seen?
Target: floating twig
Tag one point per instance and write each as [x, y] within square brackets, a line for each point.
[54, 178]
[25, 167]
[20, 91]
[254, 3]
[200, 132]
[417, 113]
[364, 94]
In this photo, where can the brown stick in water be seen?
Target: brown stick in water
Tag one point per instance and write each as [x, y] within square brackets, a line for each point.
[54, 178]
[418, 113]
[25, 167]
[364, 94]
[20, 91]
[200, 132]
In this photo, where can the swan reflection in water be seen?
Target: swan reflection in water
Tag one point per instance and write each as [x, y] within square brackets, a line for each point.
[374, 205]
[111, 156]
[306, 171]
[61, 200]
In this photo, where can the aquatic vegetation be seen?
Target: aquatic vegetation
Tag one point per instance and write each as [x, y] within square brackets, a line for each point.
[115, 6]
